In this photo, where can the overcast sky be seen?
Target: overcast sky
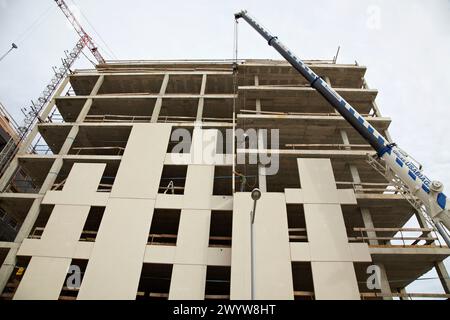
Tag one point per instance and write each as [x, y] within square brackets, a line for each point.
[405, 45]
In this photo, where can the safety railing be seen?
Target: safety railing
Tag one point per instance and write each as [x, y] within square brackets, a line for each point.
[166, 239]
[36, 233]
[329, 146]
[403, 237]
[144, 119]
[289, 113]
[165, 295]
[55, 116]
[297, 235]
[88, 150]
[70, 92]
[102, 187]
[406, 295]
[21, 182]
[181, 119]
[39, 146]
[162, 239]
[304, 295]
[116, 118]
[378, 295]
[171, 188]
[42, 149]
[369, 187]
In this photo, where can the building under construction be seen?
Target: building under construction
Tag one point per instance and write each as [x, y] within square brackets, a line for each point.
[108, 190]
[9, 133]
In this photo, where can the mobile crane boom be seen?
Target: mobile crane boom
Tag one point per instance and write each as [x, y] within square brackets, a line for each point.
[429, 192]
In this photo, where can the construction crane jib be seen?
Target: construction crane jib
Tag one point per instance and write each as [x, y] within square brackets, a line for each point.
[400, 165]
[88, 42]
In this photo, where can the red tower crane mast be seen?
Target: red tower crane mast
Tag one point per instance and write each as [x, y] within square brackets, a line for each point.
[87, 40]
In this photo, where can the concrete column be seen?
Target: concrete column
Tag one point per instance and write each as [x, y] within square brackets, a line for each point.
[443, 275]
[385, 287]
[403, 291]
[87, 105]
[368, 223]
[328, 81]
[374, 104]
[365, 212]
[158, 103]
[421, 220]
[345, 139]
[201, 100]
[378, 113]
[439, 266]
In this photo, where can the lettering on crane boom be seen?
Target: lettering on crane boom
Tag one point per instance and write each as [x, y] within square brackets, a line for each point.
[413, 168]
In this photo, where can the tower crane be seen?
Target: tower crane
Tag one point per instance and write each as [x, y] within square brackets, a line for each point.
[395, 164]
[87, 40]
[33, 112]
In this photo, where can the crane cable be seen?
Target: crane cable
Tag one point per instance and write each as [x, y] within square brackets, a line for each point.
[235, 54]
[33, 26]
[109, 51]
[27, 32]
[93, 63]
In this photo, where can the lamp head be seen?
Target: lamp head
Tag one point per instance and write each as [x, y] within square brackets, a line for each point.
[256, 194]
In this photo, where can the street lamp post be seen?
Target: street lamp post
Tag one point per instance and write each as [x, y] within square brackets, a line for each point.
[256, 194]
[13, 46]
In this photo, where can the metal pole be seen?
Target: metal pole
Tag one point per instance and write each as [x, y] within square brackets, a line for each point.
[252, 255]
[253, 211]
[256, 195]
[13, 46]
[252, 249]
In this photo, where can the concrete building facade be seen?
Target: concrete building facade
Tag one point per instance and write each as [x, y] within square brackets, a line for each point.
[142, 173]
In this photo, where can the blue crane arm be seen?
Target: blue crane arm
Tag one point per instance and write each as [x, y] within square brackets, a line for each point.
[437, 207]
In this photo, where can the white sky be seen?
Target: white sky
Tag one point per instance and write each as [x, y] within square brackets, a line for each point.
[405, 44]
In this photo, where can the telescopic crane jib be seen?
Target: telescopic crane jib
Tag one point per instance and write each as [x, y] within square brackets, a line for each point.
[401, 169]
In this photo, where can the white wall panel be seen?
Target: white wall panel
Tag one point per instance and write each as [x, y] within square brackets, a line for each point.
[335, 281]
[114, 269]
[43, 279]
[188, 282]
[142, 162]
[193, 237]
